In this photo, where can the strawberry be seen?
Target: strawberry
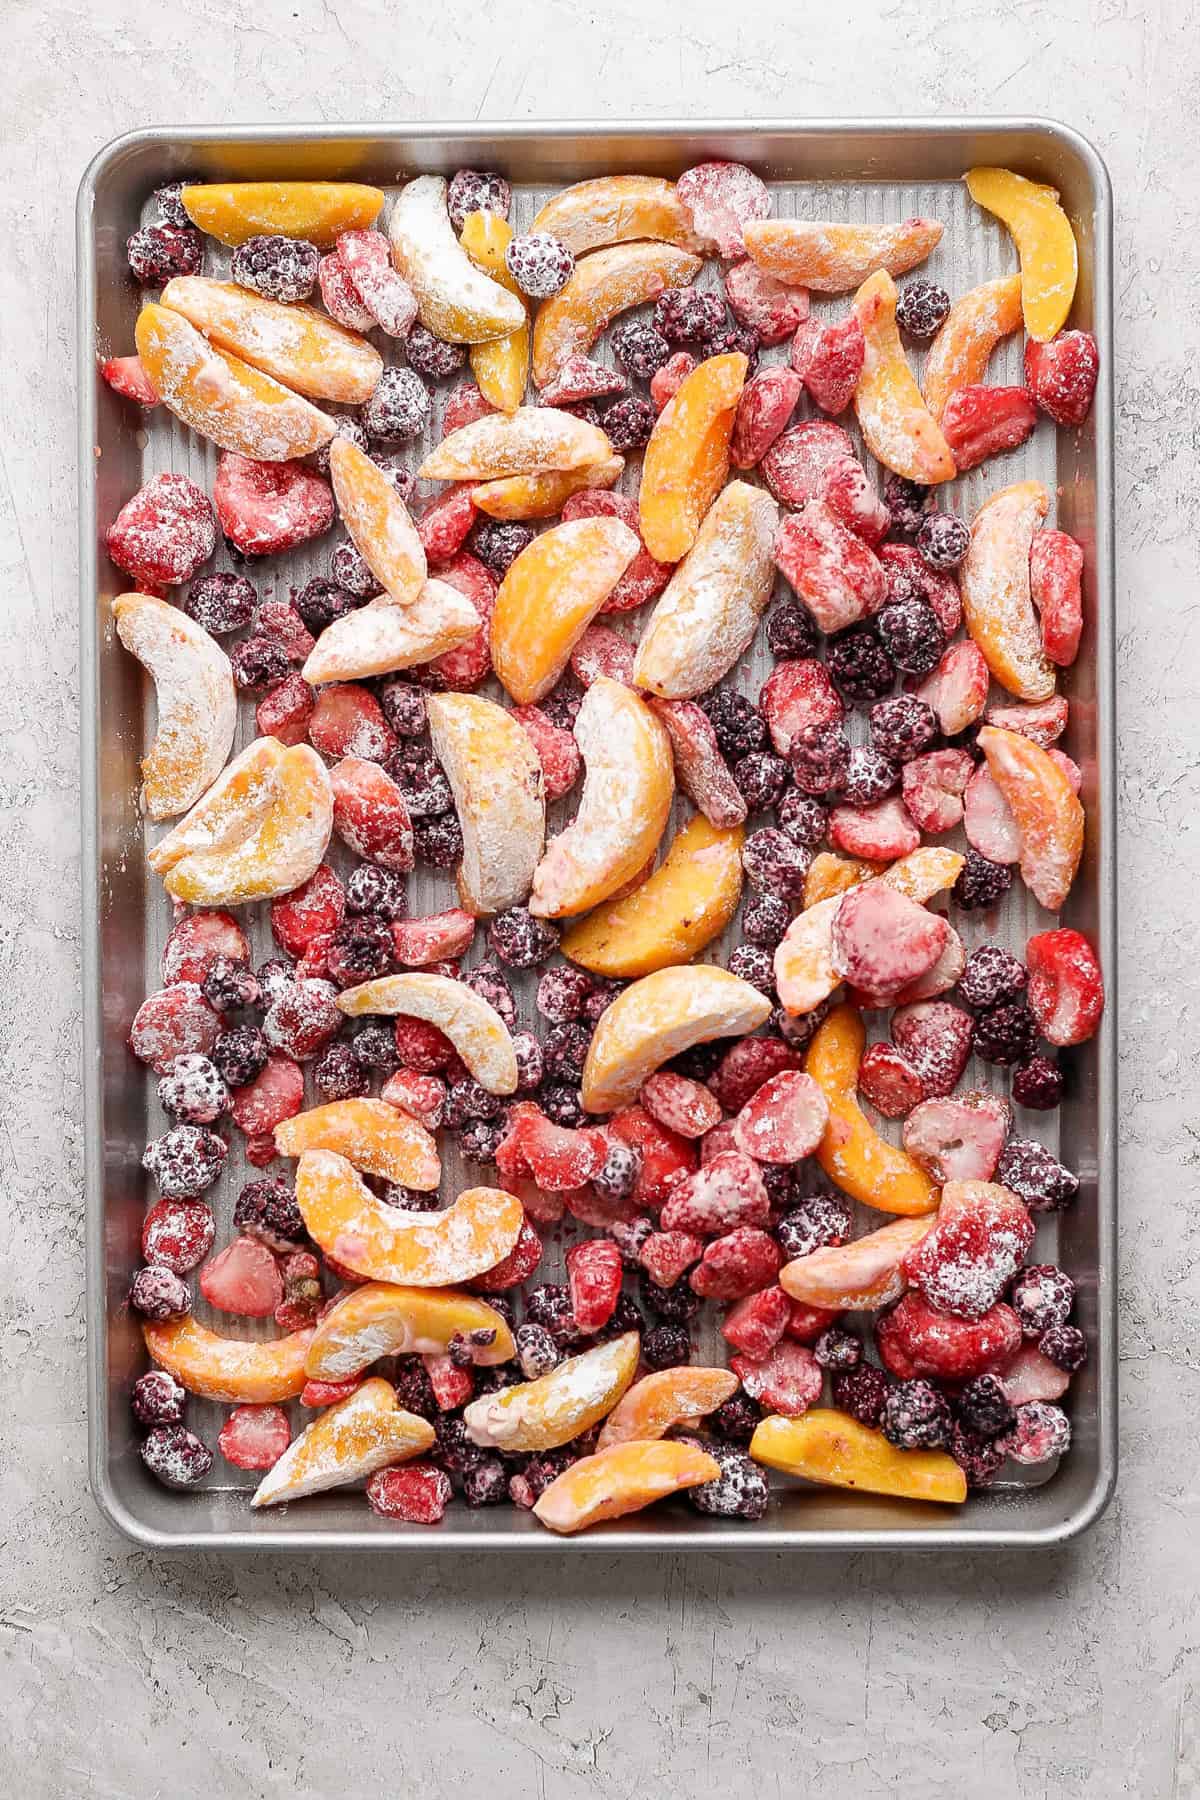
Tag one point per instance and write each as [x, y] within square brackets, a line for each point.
[957, 689]
[979, 422]
[602, 651]
[416, 1492]
[785, 1120]
[1032, 1376]
[770, 308]
[835, 573]
[888, 1081]
[1066, 987]
[127, 376]
[972, 1251]
[254, 1437]
[717, 1142]
[914, 1339]
[445, 522]
[421, 1046]
[959, 1139]
[243, 1278]
[348, 721]
[328, 1393]
[452, 1386]
[177, 1021]
[851, 497]
[830, 361]
[370, 815]
[309, 911]
[422, 1097]
[700, 769]
[767, 403]
[275, 1094]
[933, 786]
[517, 1267]
[755, 1324]
[285, 710]
[740, 1262]
[724, 1194]
[795, 466]
[988, 820]
[746, 1065]
[594, 1274]
[646, 577]
[796, 696]
[806, 1323]
[879, 833]
[1062, 375]
[1055, 578]
[909, 577]
[464, 404]
[666, 382]
[681, 1105]
[342, 299]
[420, 942]
[882, 940]
[1042, 721]
[164, 533]
[578, 378]
[941, 975]
[265, 508]
[557, 750]
[788, 1380]
[367, 258]
[666, 1157]
[557, 1157]
[668, 1255]
[196, 941]
[936, 1039]
[463, 668]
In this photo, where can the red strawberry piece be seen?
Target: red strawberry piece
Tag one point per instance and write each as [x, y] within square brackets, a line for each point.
[386, 295]
[445, 522]
[988, 820]
[266, 508]
[422, 1097]
[806, 1323]
[177, 1021]
[127, 376]
[452, 1386]
[1042, 721]
[285, 710]
[755, 1325]
[1032, 1376]
[594, 1272]
[254, 1437]
[830, 361]
[420, 942]
[243, 1278]
[275, 1094]
[972, 1251]
[666, 1256]
[959, 1139]
[936, 1039]
[164, 533]
[767, 403]
[521, 1262]
[957, 689]
[717, 1142]
[838, 577]
[261, 1150]
[296, 1315]
[880, 833]
[666, 382]
[910, 577]
[882, 940]
[1066, 987]
[785, 1120]
[328, 1393]
[557, 750]
[348, 721]
[797, 464]
[722, 197]
[596, 1210]
[309, 911]
[916, 1339]
[771, 308]
[278, 619]
[746, 1065]
[370, 815]
[850, 496]
[796, 696]
[700, 769]
[679, 1104]
[1055, 580]
[464, 404]
[602, 651]
[941, 975]
[468, 664]
[979, 422]
[788, 1380]
[739, 1263]
[339, 1271]
[666, 1157]
[557, 1157]
[933, 786]
[646, 577]
[196, 942]
[314, 964]
[416, 1492]
[422, 1046]
[177, 1234]
[888, 1081]
[1062, 375]
[578, 378]
[342, 299]
[721, 1196]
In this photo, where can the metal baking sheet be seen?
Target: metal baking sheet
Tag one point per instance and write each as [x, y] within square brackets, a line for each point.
[873, 169]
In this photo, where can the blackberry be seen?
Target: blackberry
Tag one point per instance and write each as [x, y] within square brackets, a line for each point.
[360, 949]
[982, 1408]
[537, 1351]
[562, 992]
[281, 268]
[267, 1209]
[530, 1062]
[397, 472]
[240, 1054]
[685, 316]
[564, 1050]
[221, 602]
[666, 1347]
[338, 1074]
[433, 356]
[275, 976]
[1038, 1084]
[562, 705]
[750, 963]
[477, 190]
[980, 1459]
[349, 569]
[469, 1099]
[836, 1349]
[761, 778]
[702, 1060]
[455, 1451]
[814, 1224]
[1066, 1347]
[404, 709]
[486, 1484]
[992, 975]
[625, 1317]
[980, 883]
[156, 1398]
[774, 864]
[869, 776]
[406, 1199]
[820, 757]
[168, 200]
[480, 1139]
[859, 664]
[639, 347]
[383, 892]
[520, 940]
[618, 1176]
[601, 998]
[739, 1492]
[414, 1390]
[355, 432]
[943, 540]
[739, 726]
[911, 634]
[258, 663]
[541, 265]
[399, 409]
[159, 1293]
[374, 1048]
[439, 841]
[562, 1103]
[231, 986]
[185, 1161]
[915, 1416]
[586, 410]
[798, 1029]
[862, 1393]
[320, 601]
[906, 501]
[791, 631]
[193, 1091]
[159, 252]
[491, 984]
[629, 422]
[804, 819]
[675, 1304]
[1005, 1034]
[902, 727]
[176, 1456]
[922, 307]
[765, 921]
[735, 338]
[549, 1305]
[1042, 1296]
[498, 543]
[736, 1419]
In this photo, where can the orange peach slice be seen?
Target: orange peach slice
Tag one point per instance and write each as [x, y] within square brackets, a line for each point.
[195, 696]
[628, 786]
[921, 874]
[379, 1319]
[710, 608]
[996, 595]
[456, 300]
[221, 396]
[659, 1017]
[896, 424]
[278, 852]
[832, 258]
[543, 496]
[672, 916]
[405, 1248]
[852, 1153]
[500, 366]
[320, 211]
[475, 1029]
[237, 801]
[542, 1414]
[302, 348]
[499, 792]
[829, 874]
[1049, 816]
[804, 971]
[229, 1369]
[378, 522]
[382, 636]
[958, 356]
[604, 284]
[622, 1479]
[617, 209]
[687, 457]
[1045, 244]
[658, 1403]
[866, 1273]
[368, 1430]
[832, 1448]
[550, 595]
[372, 1135]
[534, 440]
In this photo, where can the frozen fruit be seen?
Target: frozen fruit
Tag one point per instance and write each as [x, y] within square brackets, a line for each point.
[882, 940]
[612, 209]
[683, 1106]
[372, 1135]
[957, 689]
[1044, 239]
[915, 1416]
[936, 1039]
[602, 651]
[382, 636]
[606, 282]
[1055, 571]
[657, 1018]
[296, 345]
[1048, 814]
[1062, 375]
[1034, 1173]
[981, 1236]
[915, 1339]
[1043, 720]
[127, 377]
[559, 1406]
[766, 405]
[866, 1274]
[721, 199]
[232, 212]
[700, 769]
[943, 540]
[797, 465]
[369, 814]
[851, 497]
[244, 1279]
[902, 727]
[193, 1091]
[911, 633]
[1066, 988]
[163, 534]
[726, 1194]
[496, 777]
[739, 1262]
[922, 307]
[228, 1369]
[521, 941]
[829, 360]
[645, 577]
[455, 299]
[594, 1274]
[378, 522]
[621, 1479]
[254, 1437]
[973, 327]
[788, 1379]
[355, 1437]
[832, 257]
[474, 1027]
[1005, 1034]
[772, 309]
[881, 832]
[851, 1152]
[832, 570]
[176, 1456]
[267, 508]
[897, 426]
[281, 268]
[549, 596]
[979, 422]
[667, 1255]
[888, 1081]
[795, 696]
[157, 252]
[687, 458]
[378, 1319]
[156, 1398]
[197, 705]
[784, 1120]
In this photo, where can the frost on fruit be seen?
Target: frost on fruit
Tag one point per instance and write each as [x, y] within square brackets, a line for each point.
[234, 211]
[865, 1274]
[372, 1135]
[368, 1430]
[501, 365]
[1045, 243]
[852, 1153]
[378, 521]
[659, 1017]
[1048, 813]
[298, 345]
[473, 1026]
[382, 636]
[660, 1402]
[380, 1319]
[897, 426]
[617, 209]
[550, 595]
[197, 703]
[553, 1409]
[994, 582]
[228, 1369]
[605, 283]
[687, 458]
[975, 324]
[534, 440]
[622, 1479]
[455, 299]
[832, 258]
[496, 777]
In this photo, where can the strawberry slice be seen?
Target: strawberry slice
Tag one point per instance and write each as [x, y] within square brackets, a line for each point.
[1066, 987]
[452, 1386]
[602, 651]
[667, 1256]
[243, 1278]
[557, 1157]
[578, 378]
[367, 259]
[916, 1339]
[1062, 375]
[421, 1046]
[970, 1254]
[254, 1437]
[177, 1021]
[738, 1263]
[681, 1105]
[788, 1380]
[767, 403]
[796, 696]
[1055, 580]
[594, 1274]
[806, 1323]
[127, 376]
[835, 573]
[796, 465]
[370, 815]
[285, 710]
[878, 833]
[666, 1157]
[666, 382]
[422, 1097]
[309, 911]
[417, 1492]
[349, 721]
[328, 1393]
[910, 577]
[746, 1065]
[464, 404]
[959, 1139]
[518, 1266]
[933, 786]
[275, 1094]
[1042, 721]
[850, 495]
[433, 939]
[888, 1081]
[830, 361]
[785, 1120]
[1032, 1376]
[979, 422]
[755, 1325]
[444, 524]
[195, 943]
[771, 308]
[727, 1192]
[557, 750]
[265, 508]
[882, 940]
[700, 769]
[342, 299]
[957, 689]
[935, 1037]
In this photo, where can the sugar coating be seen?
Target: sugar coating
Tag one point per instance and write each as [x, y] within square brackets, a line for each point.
[197, 702]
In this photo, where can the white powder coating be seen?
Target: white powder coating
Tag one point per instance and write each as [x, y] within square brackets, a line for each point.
[197, 701]
[968, 335]
[377, 1138]
[804, 967]
[378, 521]
[475, 1029]
[381, 637]
[296, 344]
[659, 1017]
[987, 819]
[663, 1400]
[615, 209]
[496, 777]
[380, 1319]
[534, 440]
[263, 853]
[604, 284]
[542, 1414]
[1048, 812]
[896, 424]
[993, 581]
[941, 975]
[411, 1249]
[865, 1273]
[700, 769]
[456, 301]
[832, 257]
[235, 803]
[367, 1431]
[980, 1239]
[550, 595]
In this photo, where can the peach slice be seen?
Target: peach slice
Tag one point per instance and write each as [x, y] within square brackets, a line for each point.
[628, 786]
[605, 283]
[500, 366]
[659, 1017]
[408, 1249]
[996, 595]
[829, 874]
[221, 396]
[658, 1403]
[239, 799]
[866, 1273]
[196, 698]
[617, 209]
[302, 348]
[382, 636]
[456, 300]
[370, 1134]
[320, 211]
[542, 1414]
[550, 595]
[534, 440]
[1046, 808]
[379, 1319]
[543, 496]
[229, 1369]
[958, 356]
[260, 855]
[896, 424]
[1045, 244]
[832, 258]
[804, 971]
[832, 1448]
[499, 792]
[621, 1479]
[378, 522]
[368, 1430]
[852, 1153]
[710, 608]
[932, 869]
[475, 1029]
[672, 916]
[687, 457]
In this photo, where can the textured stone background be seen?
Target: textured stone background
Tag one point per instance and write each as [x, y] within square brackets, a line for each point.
[125, 1674]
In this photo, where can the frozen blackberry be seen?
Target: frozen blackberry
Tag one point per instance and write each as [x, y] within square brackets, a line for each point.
[454, 1449]
[530, 1062]
[685, 316]
[799, 1029]
[564, 1050]
[1005, 1034]
[370, 889]
[765, 921]
[259, 663]
[159, 1293]
[231, 986]
[991, 976]
[374, 1048]
[911, 634]
[1038, 1084]
[275, 976]
[338, 1074]
[406, 1199]
[404, 709]
[156, 1398]
[350, 570]
[221, 602]
[639, 347]
[537, 1351]
[906, 502]
[480, 1139]
[666, 1347]
[915, 1416]
[983, 1409]
[735, 338]
[469, 1099]
[157, 253]
[185, 1161]
[628, 423]
[859, 664]
[980, 1459]
[281, 268]
[398, 473]
[751, 963]
[240, 1054]
[1036, 1175]
[774, 864]
[922, 307]
[477, 190]
[761, 778]
[902, 727]
[414, 1390]
[399, 409]
[804, 819]
[549, 1305]
[738, 724]
[1042, 1296]
[168, 201]
[836, 1349]
[980, 883]
[791, 631]
[862, 1393]
[562, 705]
[814, 1224]
[360, 949]
[1041, 1432]
[869, 776]
[1065, 1346]
[541, 265]
[739, 1492]
[604, 992]
[439, 841]
[267, 1209]
[820, 757]
[433, 356]
[486, 1484]
[176, 1456]
[193, 1090]
[675, 1304]
[490, 982]
[562, 1103]
[562, 992]
[701, 1061]
[736, 1419]
[943, 540]
[354, 432]
[320, 601]
[520, 940]
[618, 1176]
[498, 543]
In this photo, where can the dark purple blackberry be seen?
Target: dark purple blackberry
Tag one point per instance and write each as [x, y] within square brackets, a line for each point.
[562, 992]
[486, 1484]
[799, 1029]
[399, 409]
[751, 963]
[625, 1317]
[736, 1419]
[498, 543]
[350, 570]
[774, 864]
[943, 540]
[406, 1199]
[1038, 1084]
[433, 356]
[906, 501]
[1005, 1034]
[454, 1449]
[157, 253]
[1042, 1296]
[374, 1048]
[838, 1350]
[193, 1091]
[735, 338]
[231, 986]
[980, 883]
[397, 472]
[922, 307]
[338, 1074]
[281, 268]
[354, 432]
[537, 1351]
[639, 347]
[403, 707]
[991, 976]
[320, 601]
[438, 842]
[549, 1305]
[480, 1139]
[176, 1456]
[414, 1390]
[540, 264]
[159, 1293]
[562, 705]
[980, 1459]
[765, 920]
[477, 190]
[820, 757]
[185, 1161]
[360, 949]
[562, 1103]
[983, 1409]
[628, 423]
[603, 993]
[531, 1066]
[739, 1492]
[813, 1224]
[370, 889]
[520, 940]
[587, 410]
[221, 602]
[761, 778]
[791, 632]
[869, 776]
[702, 1060]
[1066, 1347]
[859, 664]
[156, 1398]
[910, 632]
[469, 1099]
[780, 1185]
[804, 819]
[259, 663]
[539, 1472]
[685, 316]
[490, 982]
[915, 1416]
[564, 1050]
[618, 1177]
[861, 1392]
[168, 201]
[675, 1304]
[275, 976]
[667, 1347]
[240, 1054]
[737, 722]
[267, 1209]
[902, 727]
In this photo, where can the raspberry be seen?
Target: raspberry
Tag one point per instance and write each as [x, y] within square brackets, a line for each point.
[221, 602]
[750, 963]
[862, 1392]
[158, 1293]
[640, 347]
[477, 190]
[158, 252]
[321, 601]
[281, 268]
[676, 1304]
[240, 1054]
[765, 921]
[739, 1492]
[761, 777]
[267, 1210]
[540, 264]
[820, 757]
[910, 633]
[869, 776]
[404, 709]
[922, 307]
[684, 316]
[915, 1416]
[156, 1398]
[1005, 1034]
[943, 540]
[230, 986]
[399, 409]
[738, 724]
[629, 423]
[176, 1456]
[814, 1224]
[902, 727]
[1041, 1432]
[433, 356]
[185, 1161]
[193, 1091]
[838, 1350]
[360, 949]
[520, 940]
[774, 864]
[349, 570]
[258, 663]
[906, 501]
[355, 432]
[804, 819]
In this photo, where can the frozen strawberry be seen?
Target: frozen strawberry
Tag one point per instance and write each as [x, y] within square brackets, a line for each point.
[888, 1081]
[941, 975]
[285, 710]
[444, 524]
[700, 769]
[177, 1021]
[417, 1493]
[558, 753]
[1042, 721]
[254, 1437]
[1032, 1376]
[972, 1251]
[464, 404]
[739, 1263]
[959, 1139]
[521, 1262]
[646, 577]
[309, 911]
[796, 466]
[880, 833]
[681, 1105]
[722, 197]
[342, 299]
[328, 1393]
[1066, 988]
[914, 1339]
[755, 1325]
[422, 1046]
[370, 815]
[716, 1143]
[835, 573]
[788, 1380]
[265, 508]
[452, 1386]
[724, 1194]
[910, 577]
[746, 1065]
[602, 651]
[1062, 375]
[275, 1094]
[127, 376]
[957, 690]
[467, 665]
[666, 1158]
[829, 360]
[243, 1278]
[850, 496]
[422, 1097]
[806, 1323]
[770, 308]
[667, 1255]
[578, 378]
[177, 1234]
[279, 620]
[936, 1039]
[303, 1299]
[882, 940]
[197, 941]
[979, 422]
[557, 1157]
[367, 257]
[1055, 579]
[348, 721]
[796, 696]
[594, 1272]
[666, 382]
[421, 942]
[164, 533]
[988, 820]
[599, 1211]
[933, 786]
[784, 1120]
[766, 405]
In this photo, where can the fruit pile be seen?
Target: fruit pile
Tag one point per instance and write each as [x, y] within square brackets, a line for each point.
[708, 1127]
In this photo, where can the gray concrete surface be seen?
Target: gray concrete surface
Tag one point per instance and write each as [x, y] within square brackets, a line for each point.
[126, 1674]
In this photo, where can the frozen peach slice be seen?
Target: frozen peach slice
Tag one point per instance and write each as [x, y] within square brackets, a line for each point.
[896, 424]
[621, 1479]
[301, 347]
[829, 874]
[320, 211]
[1045, 244]
[382, 636]
[710, 608]
[603, 284]
[617, 209]
[628, 786]
[501, 365]
[368, 1430]
[222, 397]
[832, 258]
[659, 1017]
[380, 1319]
[550, 595]
[543, 496]
[499, 792]
[866, 1273]
[996, 594]
[687, 457]
[372, 1135]
[456, 300]
[958, 356]
[378, 522]
[278, 852]
[852, 1153]
[804, 971]
[475, 1029]
[921, 874]
[196, 699]
[672, 916]
[534, 440]
[409, 1249]
[542, 1414]
[1046, 808]
[670, 1397]
[229, 1369]
[832, 1448]
[238, 800]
